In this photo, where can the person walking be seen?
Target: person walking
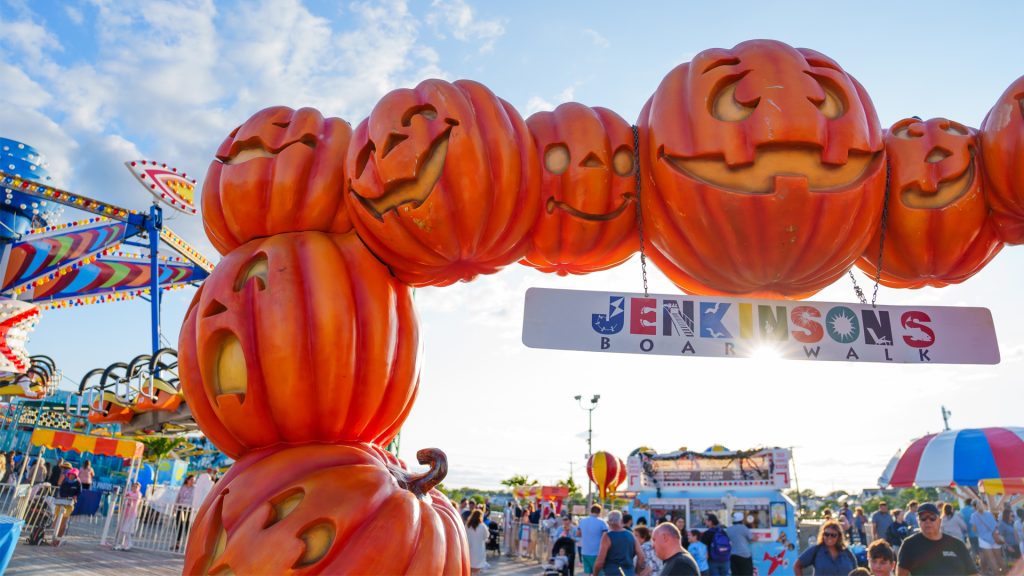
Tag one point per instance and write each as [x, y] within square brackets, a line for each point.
[699, 551]
[741, 560]
[953, 524]
[676, 561]
[830, 556]
[984, 524]
[592, 528]
[898, 530]
[183, 512]
[129, 512]
[476, 535]
[643, 534]
[930, 552]
[967, 512]
[719, 547]
[566, 537]
[67, 494]
[1011, 546]
[911, 516]
[880, 521]
[86, 475]
[845, 512]
[860, 524]
[619, 552]
[881, 558]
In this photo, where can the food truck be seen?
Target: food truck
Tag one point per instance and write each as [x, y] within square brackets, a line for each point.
[691, 485]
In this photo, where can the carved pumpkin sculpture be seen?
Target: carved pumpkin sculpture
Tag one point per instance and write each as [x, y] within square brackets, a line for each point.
[937, 228]
[444, 182]
[588, 212]
[1002, 151]
[300, 337]
[328, 509]
[281, 171]
[768, 171]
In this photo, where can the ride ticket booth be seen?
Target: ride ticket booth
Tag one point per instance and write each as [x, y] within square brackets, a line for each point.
[693, 484]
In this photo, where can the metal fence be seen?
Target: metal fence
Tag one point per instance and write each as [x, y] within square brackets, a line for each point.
[145, 525]
[529, 541]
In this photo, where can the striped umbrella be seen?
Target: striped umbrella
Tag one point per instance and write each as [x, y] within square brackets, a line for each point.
[958, 457]
[1002, 486]
[603, 469]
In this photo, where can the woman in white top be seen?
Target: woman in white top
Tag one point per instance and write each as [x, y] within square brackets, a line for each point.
[953, 524]
[477, 535]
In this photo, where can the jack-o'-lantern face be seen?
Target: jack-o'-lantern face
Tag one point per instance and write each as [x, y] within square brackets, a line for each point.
[408, 150]
[324, 509]
[764, 111]
[443, 182]
[588, 190]
[766, 169]
[937, 229]
[280, 171]
[931, 163]
[1002, 151]
[303, 319]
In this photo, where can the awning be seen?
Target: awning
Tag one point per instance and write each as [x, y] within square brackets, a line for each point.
[1002, 486]
[542, 492]
[958, 457]
[84, 443]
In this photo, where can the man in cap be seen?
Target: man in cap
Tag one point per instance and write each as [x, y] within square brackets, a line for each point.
[741, 559]
[932, 552]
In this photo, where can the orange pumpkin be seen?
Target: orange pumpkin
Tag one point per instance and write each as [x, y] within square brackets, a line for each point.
[937, 229]
[444, 182]
[768, 171]
[300, 337]
[281, 171]
[1002, 154]
[588, 190]
[328, 509]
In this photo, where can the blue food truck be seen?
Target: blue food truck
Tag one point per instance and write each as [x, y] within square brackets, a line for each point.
[687, 484]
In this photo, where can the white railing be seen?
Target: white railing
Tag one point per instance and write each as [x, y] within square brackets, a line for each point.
[148, 525]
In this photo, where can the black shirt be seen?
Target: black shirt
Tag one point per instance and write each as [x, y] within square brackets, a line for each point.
[945, 556]
[682, 564]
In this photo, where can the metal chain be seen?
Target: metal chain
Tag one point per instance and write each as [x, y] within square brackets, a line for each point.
[881, 250]
[639, 218]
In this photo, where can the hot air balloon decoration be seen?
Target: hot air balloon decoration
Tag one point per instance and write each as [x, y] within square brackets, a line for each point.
[603, 470]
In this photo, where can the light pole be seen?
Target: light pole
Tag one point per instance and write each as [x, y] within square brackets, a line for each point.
[590, 438]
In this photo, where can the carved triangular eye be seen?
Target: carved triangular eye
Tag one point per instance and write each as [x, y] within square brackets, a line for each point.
[592, 161]
[214, 308]
[394, 139]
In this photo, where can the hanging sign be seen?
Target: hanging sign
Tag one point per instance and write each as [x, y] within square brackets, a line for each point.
[679, 325]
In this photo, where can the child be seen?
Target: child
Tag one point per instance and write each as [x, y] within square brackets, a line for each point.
[699, 552]
[130, 510]
[881, 558]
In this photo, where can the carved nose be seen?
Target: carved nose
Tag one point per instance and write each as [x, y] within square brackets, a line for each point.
[937, 154]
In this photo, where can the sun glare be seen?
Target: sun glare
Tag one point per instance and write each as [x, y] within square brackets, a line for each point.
[766, 352]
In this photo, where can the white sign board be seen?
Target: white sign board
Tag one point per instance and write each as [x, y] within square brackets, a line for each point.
[679, 325]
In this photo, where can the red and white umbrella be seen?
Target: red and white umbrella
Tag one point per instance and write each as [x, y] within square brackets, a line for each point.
[958, 457]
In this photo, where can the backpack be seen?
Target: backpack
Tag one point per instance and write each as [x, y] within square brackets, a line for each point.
[721, 547]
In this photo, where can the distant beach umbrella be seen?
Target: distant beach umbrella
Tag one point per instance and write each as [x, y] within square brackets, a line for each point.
[958, 457]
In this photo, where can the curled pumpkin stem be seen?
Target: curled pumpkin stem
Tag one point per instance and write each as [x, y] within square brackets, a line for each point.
[421, 484]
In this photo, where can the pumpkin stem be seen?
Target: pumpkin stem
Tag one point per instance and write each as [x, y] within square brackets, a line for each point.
[420, 485]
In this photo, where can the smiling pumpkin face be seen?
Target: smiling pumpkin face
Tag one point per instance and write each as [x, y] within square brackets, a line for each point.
[766, 171]
[937, 228]
[280, 171]
[1002, 151]
[588, 211]
[443, 182]
[299, 337]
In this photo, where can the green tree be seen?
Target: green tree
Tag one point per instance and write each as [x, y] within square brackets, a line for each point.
[519, 480]
[570, 483]
[159, 447]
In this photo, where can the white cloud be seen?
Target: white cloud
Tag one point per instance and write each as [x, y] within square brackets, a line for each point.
[596, 38]
[27, 38]
[456, 17]
[74, 14]
[539, 104]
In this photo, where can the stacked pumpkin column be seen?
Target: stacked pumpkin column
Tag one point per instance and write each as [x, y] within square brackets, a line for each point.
[299, 358]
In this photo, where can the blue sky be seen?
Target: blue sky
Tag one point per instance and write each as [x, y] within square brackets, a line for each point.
[94, 83]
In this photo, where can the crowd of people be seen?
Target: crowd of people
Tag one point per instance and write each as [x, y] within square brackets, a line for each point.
[925, 539]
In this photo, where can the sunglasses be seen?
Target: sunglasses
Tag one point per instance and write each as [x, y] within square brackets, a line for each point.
[928, 518]
[831, 535]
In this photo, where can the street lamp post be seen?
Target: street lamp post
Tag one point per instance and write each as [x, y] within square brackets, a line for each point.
[590, 438]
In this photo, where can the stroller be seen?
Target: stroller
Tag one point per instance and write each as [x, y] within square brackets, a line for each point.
[560, 565]
[38, 518]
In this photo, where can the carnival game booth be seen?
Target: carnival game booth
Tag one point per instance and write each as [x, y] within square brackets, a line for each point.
[551, 497]
[719, 481]
[128, 450]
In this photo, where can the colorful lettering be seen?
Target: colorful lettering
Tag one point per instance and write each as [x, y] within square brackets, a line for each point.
[643, 316]
[919, 334]
[711, 315]
[806, 318]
